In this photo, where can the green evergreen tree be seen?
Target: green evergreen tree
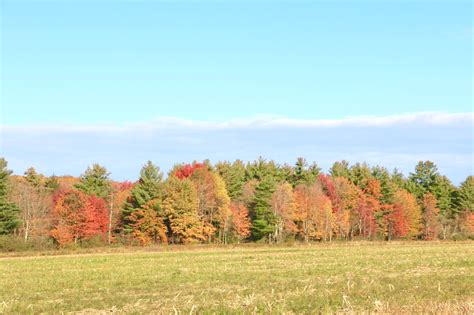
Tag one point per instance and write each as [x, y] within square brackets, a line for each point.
[465, 195]
[444, 191]
[388, 185]
[340, 169]
[304, 174]
[32, 177]
[233, 176]
[423, 180]
[264, 220]
[360, 174]
[95, 181]
[8, 211]
[148, 188]
[52, 183]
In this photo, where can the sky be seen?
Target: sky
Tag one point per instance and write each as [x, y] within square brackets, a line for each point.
[122, 82]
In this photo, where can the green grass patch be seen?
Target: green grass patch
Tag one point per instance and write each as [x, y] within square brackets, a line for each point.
[361, 277]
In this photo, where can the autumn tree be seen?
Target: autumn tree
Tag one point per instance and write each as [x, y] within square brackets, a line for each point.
[240, 221]
[186, 170]
[180, 206]
[8, 210]
[284, 207]
[348, 198]
[431, 224]
[369, 207]
[147, 226]
[213, 199]
[35, 203]
[405, 219]
[313, 213]
[77, 216]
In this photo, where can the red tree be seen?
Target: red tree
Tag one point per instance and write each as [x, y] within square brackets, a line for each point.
[240, 220]
[77, 216]
[187, 170]
[96, 214]
[329, 189]
[369, 205]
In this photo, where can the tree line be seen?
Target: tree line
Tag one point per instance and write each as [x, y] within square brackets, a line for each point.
[258, 201]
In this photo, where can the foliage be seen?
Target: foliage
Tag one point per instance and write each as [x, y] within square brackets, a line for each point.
[8, 210]
[95, 181]
[77, 216]
[258, 201]
[284, 209]
[465, 196]
[431, 224]
[240, 221]
[406, 216]
[147, 226]
[263, 218]
[148, 189]
[180, 206]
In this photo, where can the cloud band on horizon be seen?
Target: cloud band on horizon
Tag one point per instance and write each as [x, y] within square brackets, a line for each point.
[391, 141]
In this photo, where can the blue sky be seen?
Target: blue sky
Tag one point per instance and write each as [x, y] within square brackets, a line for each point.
[95, 66]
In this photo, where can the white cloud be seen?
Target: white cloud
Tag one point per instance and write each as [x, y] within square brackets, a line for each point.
[393, 141]
[267, 122]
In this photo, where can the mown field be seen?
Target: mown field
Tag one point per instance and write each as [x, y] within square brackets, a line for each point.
[410, 277]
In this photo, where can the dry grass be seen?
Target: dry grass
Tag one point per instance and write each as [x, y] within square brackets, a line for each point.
[410, 277]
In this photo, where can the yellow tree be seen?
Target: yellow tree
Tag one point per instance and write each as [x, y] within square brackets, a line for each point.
[406, 216]
[213, 201]
[147, 226]
[346, 211]
[284, 206]
[313, 215]
[180, 206]
[431, 224]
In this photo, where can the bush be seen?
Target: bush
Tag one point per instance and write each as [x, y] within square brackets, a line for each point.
[11, 243]
[95, 241]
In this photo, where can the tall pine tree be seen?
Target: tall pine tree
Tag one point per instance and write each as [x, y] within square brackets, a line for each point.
[8, 211]
[263, 217]
[95, 181]
[148, 188]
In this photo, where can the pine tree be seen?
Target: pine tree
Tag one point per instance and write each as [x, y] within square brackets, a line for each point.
[8, 211]
[32, 177]
[263, 217]
[95, 181]
[424, 179]
[304, 174]
[148, 189]
[340, 169]
[465, 196]
[52, 183]
[233, 176]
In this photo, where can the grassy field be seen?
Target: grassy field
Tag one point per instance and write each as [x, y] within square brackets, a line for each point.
[386, 277]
